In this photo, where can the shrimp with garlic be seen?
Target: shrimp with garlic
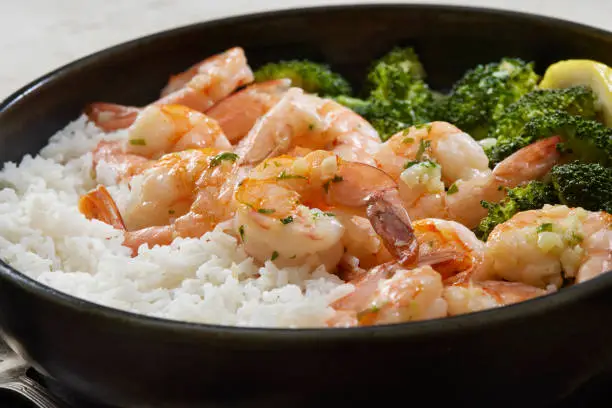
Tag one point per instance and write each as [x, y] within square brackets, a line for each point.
[545, 247]
[182, 194]
[198, 88]
[405, 289]
[443, 173]
[156, 131]
[287, 206]
[308, 121]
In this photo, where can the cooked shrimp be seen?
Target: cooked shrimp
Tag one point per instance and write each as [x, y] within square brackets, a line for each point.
[198, 88]
[470, 296]
[172, 128]
[309, 121]
[456, 152]
[285, 203]
[122, 165]
[544, 247]
[397, 291]
[156, 131]
[238, 113]
[460, 251]
[181, 194]
[111, 116]
[422, 188]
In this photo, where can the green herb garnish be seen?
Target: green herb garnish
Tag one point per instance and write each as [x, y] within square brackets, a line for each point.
[215, 161]
[546, 227]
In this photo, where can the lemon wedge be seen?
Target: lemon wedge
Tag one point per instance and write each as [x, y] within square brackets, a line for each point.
[593, 74]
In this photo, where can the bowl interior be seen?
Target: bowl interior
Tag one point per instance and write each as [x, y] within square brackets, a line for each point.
[449, 41]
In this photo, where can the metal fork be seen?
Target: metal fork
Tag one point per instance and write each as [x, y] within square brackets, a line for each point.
[13, 378]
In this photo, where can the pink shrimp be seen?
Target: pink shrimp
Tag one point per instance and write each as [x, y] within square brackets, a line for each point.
[198, 88]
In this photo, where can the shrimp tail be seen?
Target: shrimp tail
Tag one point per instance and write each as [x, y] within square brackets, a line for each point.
[532, 162]
[392, 223]
[98, 204]
[110, 117]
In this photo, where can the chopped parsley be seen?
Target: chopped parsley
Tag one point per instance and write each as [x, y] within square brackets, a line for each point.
[329, 214]
[241, 231]
[452, 189]
[215, 161]
[266, 210]
[410, 163]
[336, 179]
[423, 126]
[287, 220]
[408, 140]
[138, 142]
[171, 212]
[575, 239]
[274, 255]
[423, 146]
[546, 227]
[311, 126]
[284, 176]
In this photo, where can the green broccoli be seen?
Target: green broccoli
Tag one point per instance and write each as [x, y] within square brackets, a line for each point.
[530, 196]
[403, 60]
[308, 75]
[478, 99]
[583, 139]
[586, 185]
[397, 95]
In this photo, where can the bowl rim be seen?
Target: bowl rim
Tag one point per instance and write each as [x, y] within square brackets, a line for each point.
[432, 327]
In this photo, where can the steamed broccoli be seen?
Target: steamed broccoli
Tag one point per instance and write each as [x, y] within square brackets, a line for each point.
[583, 139]
[523, 114]
[522, 198]
[308, 75]
[398, 97]
[586, 185]
[479, 98]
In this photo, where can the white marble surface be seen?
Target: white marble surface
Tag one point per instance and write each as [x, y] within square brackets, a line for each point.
[37, 36]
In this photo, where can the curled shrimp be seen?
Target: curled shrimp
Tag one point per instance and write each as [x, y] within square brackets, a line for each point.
[198, 88]
[422, 183]
[286, 206]
[172, 128]
[158, 130]
[181, 194]
[309, 121]
[544, 247]
[457, 153]
[451, 248]
[405, 289]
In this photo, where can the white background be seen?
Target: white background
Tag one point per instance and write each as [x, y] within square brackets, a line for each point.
[37, 36]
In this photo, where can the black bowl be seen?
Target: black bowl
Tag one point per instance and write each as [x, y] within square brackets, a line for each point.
[531, 353]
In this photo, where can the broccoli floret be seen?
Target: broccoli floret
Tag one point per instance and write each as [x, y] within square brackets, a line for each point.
[586, 185]
[510, 128]
[583, 139]
[398, 97]
[308, 75]
[478, 99]
[404, 60]
[530, 196]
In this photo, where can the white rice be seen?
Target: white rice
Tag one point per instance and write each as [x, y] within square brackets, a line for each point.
[208, 280]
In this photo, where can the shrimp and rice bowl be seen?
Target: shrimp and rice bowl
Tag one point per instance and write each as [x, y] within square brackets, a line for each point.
[277, 198]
